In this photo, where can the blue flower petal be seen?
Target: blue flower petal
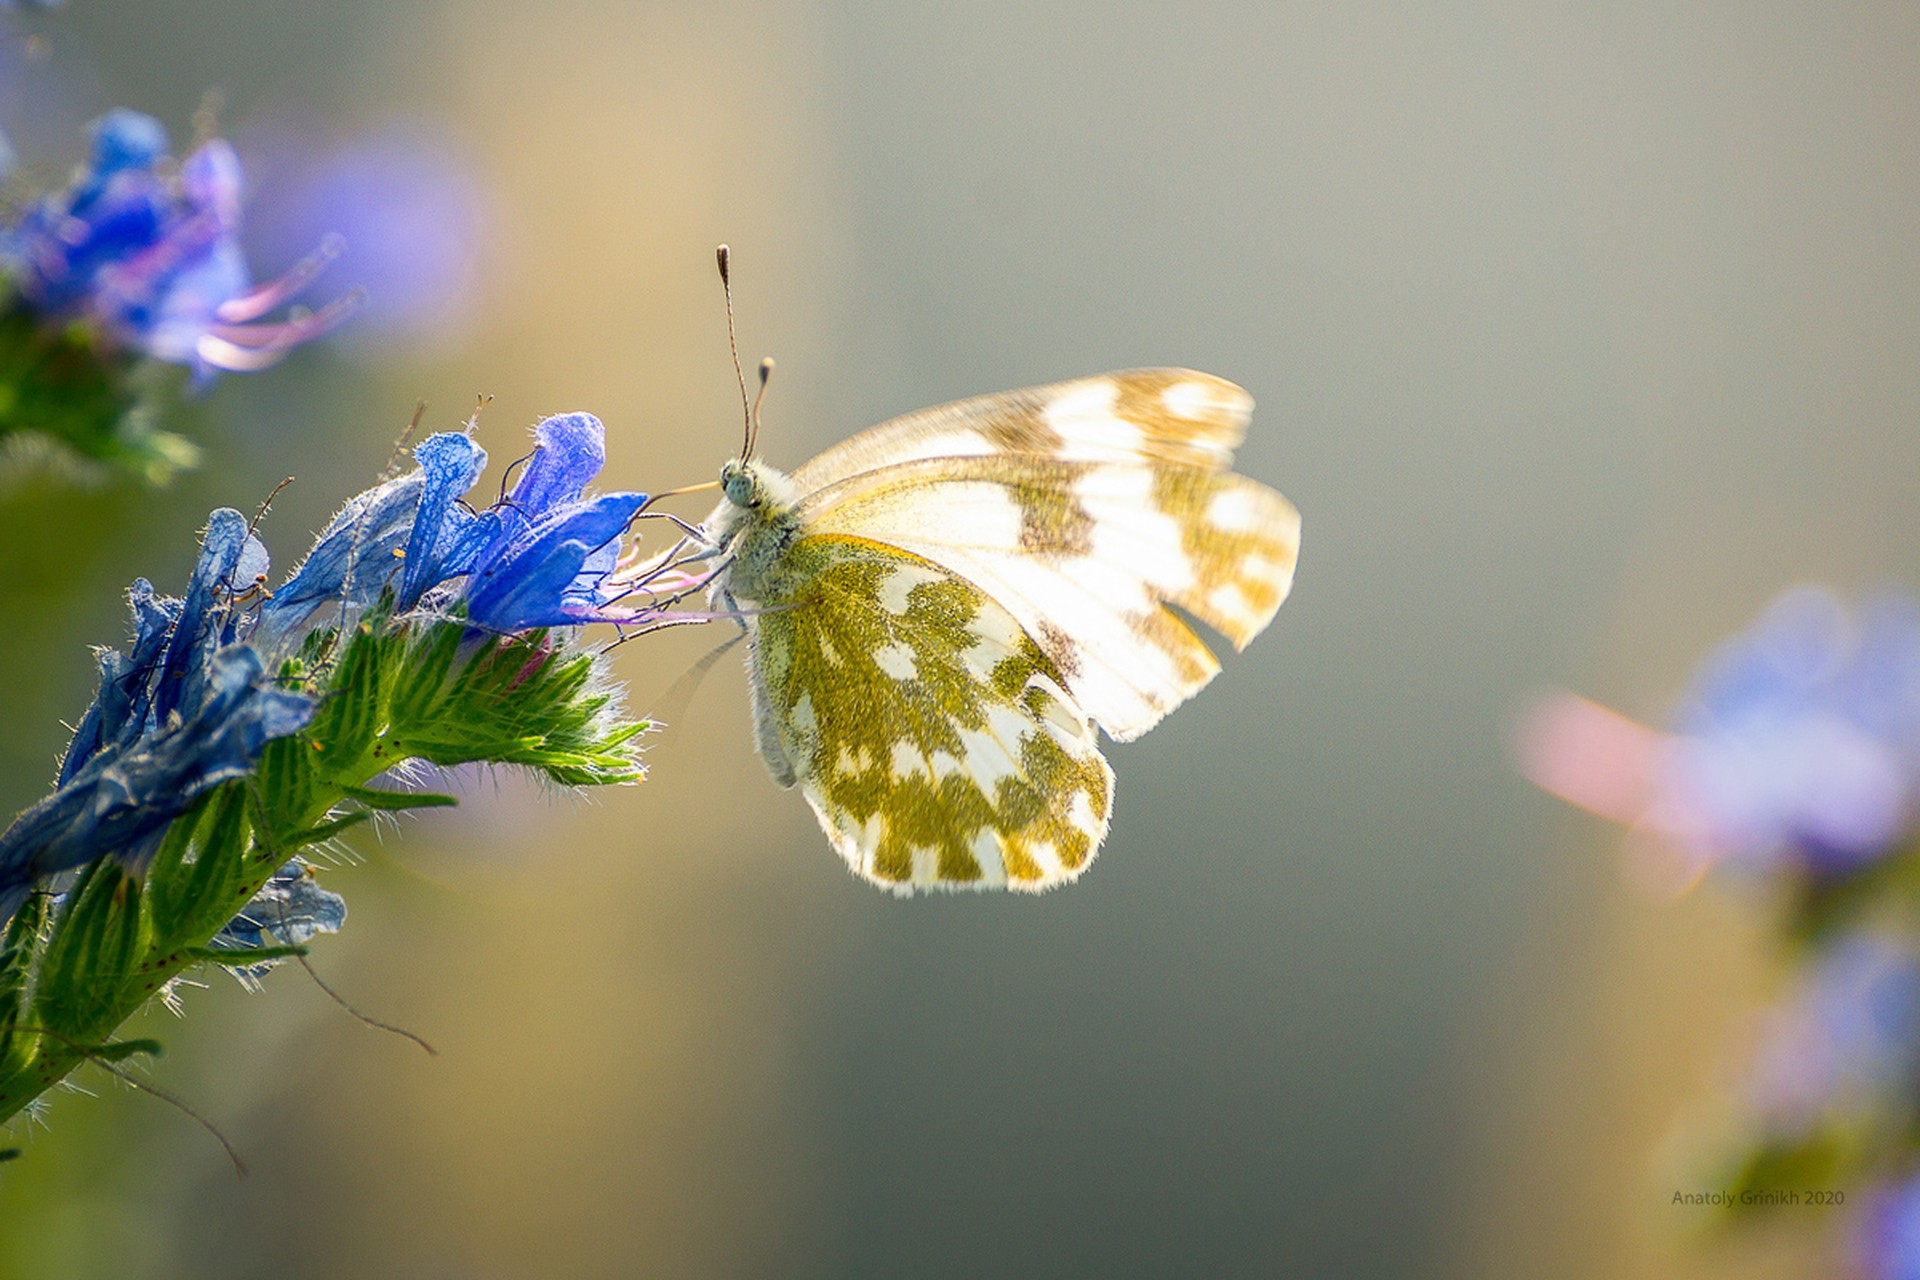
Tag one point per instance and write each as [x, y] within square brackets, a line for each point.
[183, 669]
[552, 551]
[289, 910]
[569, 450]
[128, 792]
[552, 574]
[450, 463]
[407, 533]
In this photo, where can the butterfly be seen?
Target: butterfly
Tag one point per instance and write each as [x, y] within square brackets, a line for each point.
[942, 610]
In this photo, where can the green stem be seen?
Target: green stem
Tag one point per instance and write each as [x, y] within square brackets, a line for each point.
[396, 692]
[41, 1056]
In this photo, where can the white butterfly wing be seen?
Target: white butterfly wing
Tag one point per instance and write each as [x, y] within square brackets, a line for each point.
[1175, 415]
[1085, 508]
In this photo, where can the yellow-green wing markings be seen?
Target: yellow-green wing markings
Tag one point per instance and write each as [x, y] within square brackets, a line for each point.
[1087, 556]
[1243, 540]
[934, 739]
[1172, 415]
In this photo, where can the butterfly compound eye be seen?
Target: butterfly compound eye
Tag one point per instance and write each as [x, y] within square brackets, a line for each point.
[739, 486]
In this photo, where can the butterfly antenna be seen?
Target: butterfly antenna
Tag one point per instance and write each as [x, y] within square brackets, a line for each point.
[723, 255]
[753, 419]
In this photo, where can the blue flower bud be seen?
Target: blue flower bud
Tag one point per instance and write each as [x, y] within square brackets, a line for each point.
[290, 909]
[125, 794]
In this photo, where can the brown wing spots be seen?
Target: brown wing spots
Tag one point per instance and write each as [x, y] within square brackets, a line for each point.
[1014, 425]
[1052, 520]
[1187, 417]
[1242, 539]
[1061, 647]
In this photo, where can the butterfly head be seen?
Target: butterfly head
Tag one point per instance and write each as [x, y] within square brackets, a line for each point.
[741, 481]
[755, 496]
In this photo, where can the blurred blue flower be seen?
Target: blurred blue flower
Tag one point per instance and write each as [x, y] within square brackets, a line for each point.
[150, 255]
[187, 710]
[417, 222]
[1801, 738]
[1848, 1041]
[552, 557]
[1888, 1240]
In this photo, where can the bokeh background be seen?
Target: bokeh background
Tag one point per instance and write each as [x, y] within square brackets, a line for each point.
[1577, 333]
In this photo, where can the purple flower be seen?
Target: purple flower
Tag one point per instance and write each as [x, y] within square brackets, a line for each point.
[1801, 738]
[553, 552]
[1798, 744]
[1848, 1040]
[416, 219]
[151, 257]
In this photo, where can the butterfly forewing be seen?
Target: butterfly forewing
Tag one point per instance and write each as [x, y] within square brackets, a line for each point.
[933, 737]
[1177, 415]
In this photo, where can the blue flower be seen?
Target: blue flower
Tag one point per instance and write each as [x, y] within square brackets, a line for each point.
[191, 703]
[151, 259]
[187, 709]
[1801, 738]
[408, 534]
[546, 555]
[552, 555]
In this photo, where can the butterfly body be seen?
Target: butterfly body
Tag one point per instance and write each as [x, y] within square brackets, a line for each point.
[943, 610]
[756, 525]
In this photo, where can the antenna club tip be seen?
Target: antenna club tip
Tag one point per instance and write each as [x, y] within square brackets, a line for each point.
[721, 255]
[766, 368]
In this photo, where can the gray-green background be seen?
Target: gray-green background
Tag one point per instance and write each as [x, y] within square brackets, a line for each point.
[1576, 334]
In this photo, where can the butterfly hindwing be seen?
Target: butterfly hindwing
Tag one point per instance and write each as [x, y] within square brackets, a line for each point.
[933, 737]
